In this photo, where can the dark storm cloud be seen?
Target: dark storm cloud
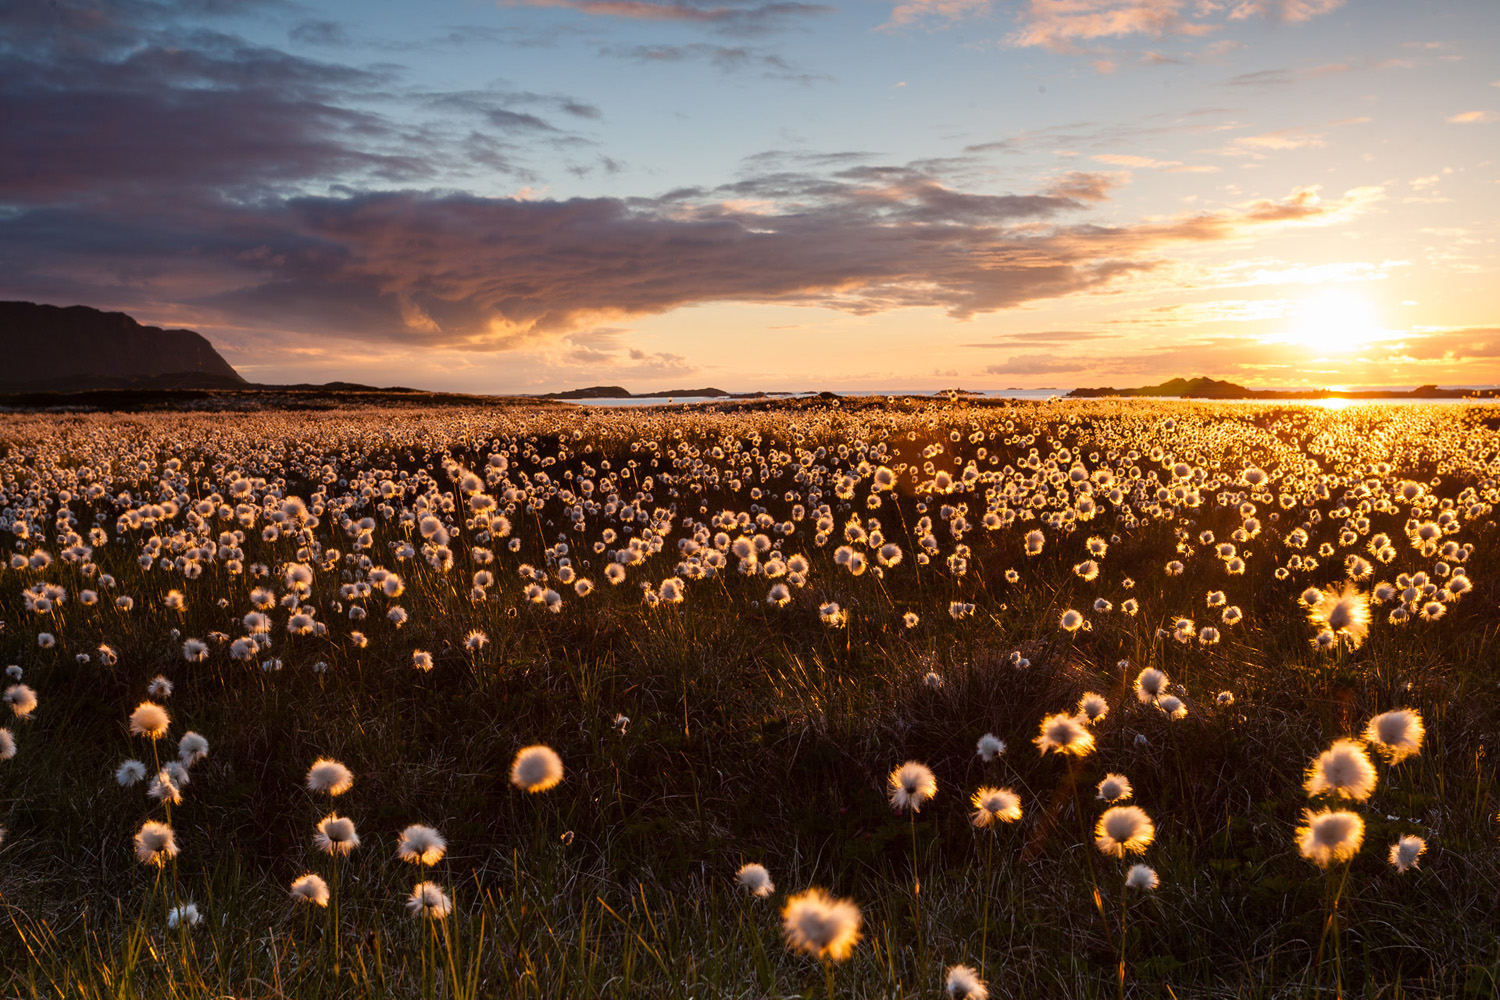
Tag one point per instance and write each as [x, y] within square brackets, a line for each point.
[105, 101]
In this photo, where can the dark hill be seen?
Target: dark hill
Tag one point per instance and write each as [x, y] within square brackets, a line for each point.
[73, 348]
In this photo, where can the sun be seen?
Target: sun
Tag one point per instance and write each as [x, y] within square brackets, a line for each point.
[1335, 323]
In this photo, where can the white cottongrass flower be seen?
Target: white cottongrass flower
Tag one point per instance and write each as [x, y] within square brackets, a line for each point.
[421, 660]
[1141, 877]
[755, 880]
[1070, 620]
[310, 889]
[155, 843]
[994, 805]
[164, 789]
[912, 784]
[1225, 698]
[536, 769]
[185, 915]
[329, 777]
[1062, 733]
[990, 746]
[820, 925]
[963, 983]
[21, 699]
[195, 650]
[7, 744]
[191, 748]
[428, 900]
[421, 845]
[1114, 788]
[335, 835]
[1092, 707]
[1345, 612]
[1406, 851]
[149, 720]
[1172, 705]
[159, 687]
[1124, 829]
[129, 773]
[1327, 837]
[1396, 735]
[1150, 684]
[1344, 771]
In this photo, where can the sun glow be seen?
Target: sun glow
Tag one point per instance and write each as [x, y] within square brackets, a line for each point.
[1335, 323]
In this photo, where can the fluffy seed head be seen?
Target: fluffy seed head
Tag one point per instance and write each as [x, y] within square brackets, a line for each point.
[1115, 788]
[155, 843]
[191, 748]
[185, 915]
[1062, 733]
[995, 805]
[428, 900]
[310, 889]
[990, 746]
[336, 834]
[963, 983]
[421, 845]
[1124, 829]
[1344, 771]
[1396, 735]
[1141, 877]
[536, 769]
[1150, 684]
[329, 777]
[149, 720]
[820, 925]
[1092, 707]
[755, 880]
[1328, 838]
[1406, 851]
[912, 784]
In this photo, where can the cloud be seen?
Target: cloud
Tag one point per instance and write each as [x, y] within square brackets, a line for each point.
[1084, 186]
[473, 273]
[1037, 364]
[1280, 140]
[1473, 118]
[108, 108]
[1283, 77]
[946, 11]
[1283, 10]
[1133, 161]
[1011, 340]
[1076, 27]
[168, 169]
[1450, 344]
[741, 18]
[1059, 27]
[725, 58]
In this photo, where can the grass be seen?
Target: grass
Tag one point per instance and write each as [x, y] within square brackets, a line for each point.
[755, 733]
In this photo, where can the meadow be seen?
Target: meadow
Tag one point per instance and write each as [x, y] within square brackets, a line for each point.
[1062, 699]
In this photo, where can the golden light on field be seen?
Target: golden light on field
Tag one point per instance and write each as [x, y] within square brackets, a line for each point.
[1334, 323]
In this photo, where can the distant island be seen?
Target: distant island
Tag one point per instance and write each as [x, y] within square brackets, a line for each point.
[1209, 388]
[76, 348]
[620, 392]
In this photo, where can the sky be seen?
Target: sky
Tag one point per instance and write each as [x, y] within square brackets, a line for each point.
[530, 195]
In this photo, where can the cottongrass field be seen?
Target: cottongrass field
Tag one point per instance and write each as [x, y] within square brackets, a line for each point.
[884, 698]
